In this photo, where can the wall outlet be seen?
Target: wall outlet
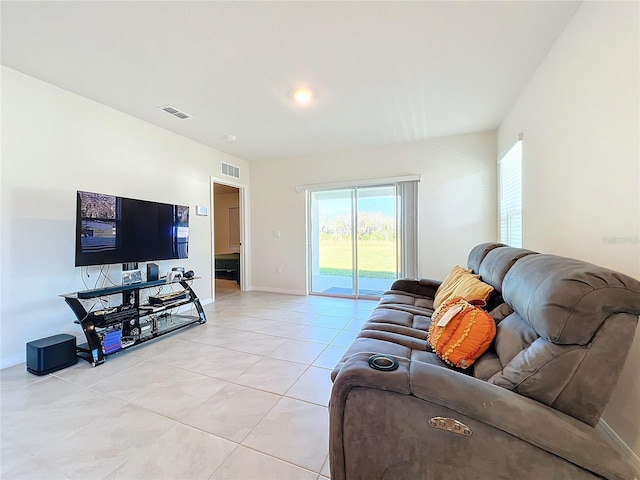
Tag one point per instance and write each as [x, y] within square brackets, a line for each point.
[278, 270]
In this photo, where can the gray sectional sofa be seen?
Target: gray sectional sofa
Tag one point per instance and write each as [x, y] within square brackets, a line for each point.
[525, 410]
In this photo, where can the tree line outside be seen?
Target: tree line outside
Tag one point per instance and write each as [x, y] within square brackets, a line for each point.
[376, 234]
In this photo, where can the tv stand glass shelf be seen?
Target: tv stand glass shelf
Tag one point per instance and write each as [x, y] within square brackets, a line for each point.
[139, 317]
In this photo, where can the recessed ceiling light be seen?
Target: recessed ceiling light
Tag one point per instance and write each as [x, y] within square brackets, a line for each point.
[303, 95]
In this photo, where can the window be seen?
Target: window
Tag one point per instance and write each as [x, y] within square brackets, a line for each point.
[510, 196]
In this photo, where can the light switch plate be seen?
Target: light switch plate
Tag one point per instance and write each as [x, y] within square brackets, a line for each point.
[202, 211]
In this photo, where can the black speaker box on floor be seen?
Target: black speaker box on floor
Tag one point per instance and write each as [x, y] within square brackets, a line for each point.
[152, 272]
[50, 354]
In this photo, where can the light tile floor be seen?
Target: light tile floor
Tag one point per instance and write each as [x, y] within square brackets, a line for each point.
[243, 396]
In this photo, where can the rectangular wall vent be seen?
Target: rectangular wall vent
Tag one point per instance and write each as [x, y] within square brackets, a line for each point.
[230, 170]
[175, 112]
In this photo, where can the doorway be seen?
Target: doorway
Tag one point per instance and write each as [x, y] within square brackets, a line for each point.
[227, 240]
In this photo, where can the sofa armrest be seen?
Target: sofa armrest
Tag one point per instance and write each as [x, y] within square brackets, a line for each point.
[423, 287]
[501, 409]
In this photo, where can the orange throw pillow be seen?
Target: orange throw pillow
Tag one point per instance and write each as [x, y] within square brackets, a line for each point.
[460, 332]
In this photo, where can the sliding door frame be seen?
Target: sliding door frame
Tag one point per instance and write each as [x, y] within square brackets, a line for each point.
[353, 186]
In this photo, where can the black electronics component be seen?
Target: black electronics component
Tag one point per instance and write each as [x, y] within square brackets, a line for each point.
[127, 342]
[168, 297]
[189, 274]
[50, 354]
[111, 316]
[153, 272]
[131, 276]
[101, 292]
[146, 327]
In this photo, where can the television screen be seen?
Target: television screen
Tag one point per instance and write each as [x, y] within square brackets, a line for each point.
[111, 229]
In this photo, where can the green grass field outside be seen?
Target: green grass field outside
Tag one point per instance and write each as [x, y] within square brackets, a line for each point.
[377, 259]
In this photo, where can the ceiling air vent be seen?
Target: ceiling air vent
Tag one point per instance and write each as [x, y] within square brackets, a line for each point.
[175, 112]
[230, 170]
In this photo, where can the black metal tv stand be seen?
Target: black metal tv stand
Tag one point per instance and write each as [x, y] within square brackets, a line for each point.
[111, 329]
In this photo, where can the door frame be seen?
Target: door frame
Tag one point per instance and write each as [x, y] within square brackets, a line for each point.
[245, 250]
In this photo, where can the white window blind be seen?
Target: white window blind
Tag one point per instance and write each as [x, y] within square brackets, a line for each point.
[510, 181]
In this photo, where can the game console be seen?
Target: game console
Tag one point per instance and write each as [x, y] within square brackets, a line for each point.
[174, 276]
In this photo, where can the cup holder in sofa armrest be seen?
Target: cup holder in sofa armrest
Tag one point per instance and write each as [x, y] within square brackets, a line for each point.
[385, 363]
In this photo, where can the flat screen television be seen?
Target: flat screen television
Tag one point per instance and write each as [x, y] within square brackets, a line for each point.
[111, 229]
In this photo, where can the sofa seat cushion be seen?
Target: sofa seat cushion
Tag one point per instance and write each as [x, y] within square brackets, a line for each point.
[406, 301]
[541, 371]
[427, 357]
[513, 336]
[409, 341]
[487, 365]
[396, 329]
[391, 315]
[420, 320]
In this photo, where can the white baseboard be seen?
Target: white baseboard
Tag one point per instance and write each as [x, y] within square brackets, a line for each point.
[12, 361]
[279, 290]
[619, 445]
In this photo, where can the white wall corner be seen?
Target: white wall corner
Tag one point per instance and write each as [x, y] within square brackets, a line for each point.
[617, 443]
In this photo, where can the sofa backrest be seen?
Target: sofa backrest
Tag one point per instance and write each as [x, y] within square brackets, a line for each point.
[497, 259]
[477, 254]
[567, 330]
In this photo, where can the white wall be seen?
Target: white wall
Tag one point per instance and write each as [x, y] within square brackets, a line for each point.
[457, 202]
[54, 143]
[581, 160]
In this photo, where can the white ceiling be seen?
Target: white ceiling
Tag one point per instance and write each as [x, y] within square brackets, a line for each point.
[383, 72]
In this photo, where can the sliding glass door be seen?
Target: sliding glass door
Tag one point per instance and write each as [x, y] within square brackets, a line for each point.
[353, 247]
[376, 243]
